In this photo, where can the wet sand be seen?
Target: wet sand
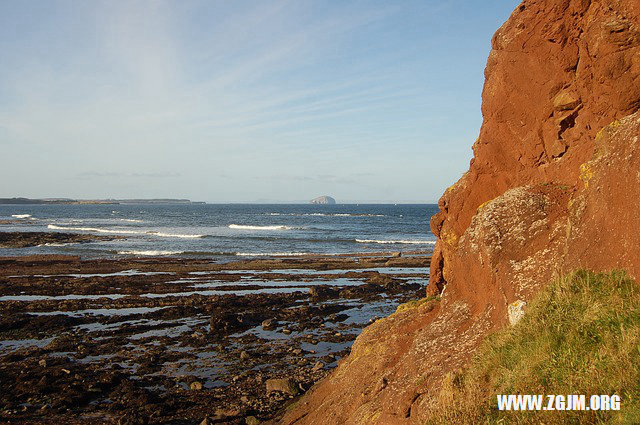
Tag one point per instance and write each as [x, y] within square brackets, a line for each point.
[178, 340]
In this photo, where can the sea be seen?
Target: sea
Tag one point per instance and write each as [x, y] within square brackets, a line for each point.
[225, 232]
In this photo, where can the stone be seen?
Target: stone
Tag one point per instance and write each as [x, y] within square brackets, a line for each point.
[282, 385]
[566, 100]
[515, 311]
[244, 355]
[269, 324]
[318, 366]
[196, 385]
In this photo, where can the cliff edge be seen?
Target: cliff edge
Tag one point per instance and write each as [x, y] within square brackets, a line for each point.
[554, 185]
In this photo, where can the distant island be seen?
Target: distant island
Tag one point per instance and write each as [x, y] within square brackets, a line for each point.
[323, 200]
[28, 201]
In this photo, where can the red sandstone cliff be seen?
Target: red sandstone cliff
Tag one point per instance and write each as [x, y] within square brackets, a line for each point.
[554, 185]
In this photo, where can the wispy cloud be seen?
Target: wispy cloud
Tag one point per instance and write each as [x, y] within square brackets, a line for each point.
[223, 90]
[159, 175]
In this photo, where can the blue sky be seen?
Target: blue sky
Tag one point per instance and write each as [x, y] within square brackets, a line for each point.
[231, 101]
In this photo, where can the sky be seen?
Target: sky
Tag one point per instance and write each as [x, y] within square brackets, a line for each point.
[241, 101]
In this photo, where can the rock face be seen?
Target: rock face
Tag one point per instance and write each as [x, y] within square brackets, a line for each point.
[323, 200]
[554, 185]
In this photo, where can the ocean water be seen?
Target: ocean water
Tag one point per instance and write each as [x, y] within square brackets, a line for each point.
[228, 231]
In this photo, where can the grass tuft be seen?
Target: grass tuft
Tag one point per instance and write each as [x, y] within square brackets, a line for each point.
[580, 335]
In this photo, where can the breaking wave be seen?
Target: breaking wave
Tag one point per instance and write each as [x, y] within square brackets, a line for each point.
[330, 215]
[150, 252]
[248, 227]
[410, 242]
[125, 232]
[176, 235]
[21, 215]
[272, 254]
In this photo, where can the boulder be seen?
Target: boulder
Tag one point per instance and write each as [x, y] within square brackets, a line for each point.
[282, 385]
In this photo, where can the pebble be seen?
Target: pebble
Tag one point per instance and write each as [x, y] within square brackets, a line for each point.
[269, 324]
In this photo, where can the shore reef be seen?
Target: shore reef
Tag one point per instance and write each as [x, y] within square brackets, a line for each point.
[552, 187]
[182, 340]
[26, 239]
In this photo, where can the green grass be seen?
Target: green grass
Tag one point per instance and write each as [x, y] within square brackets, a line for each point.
[580, 335]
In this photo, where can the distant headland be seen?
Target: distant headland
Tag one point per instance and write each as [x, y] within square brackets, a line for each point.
[28, 201]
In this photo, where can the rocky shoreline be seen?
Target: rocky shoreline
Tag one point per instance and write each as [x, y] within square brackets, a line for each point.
[178, 340]
[28, 239]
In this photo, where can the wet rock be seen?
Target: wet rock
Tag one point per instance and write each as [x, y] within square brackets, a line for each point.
[225, 322]
[322, 291]
[380, 279]
[282, 385]
[338, 317]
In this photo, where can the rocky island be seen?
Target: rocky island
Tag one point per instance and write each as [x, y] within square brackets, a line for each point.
[323, 200]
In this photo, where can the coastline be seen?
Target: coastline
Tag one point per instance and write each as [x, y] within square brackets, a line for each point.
[160, 339]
